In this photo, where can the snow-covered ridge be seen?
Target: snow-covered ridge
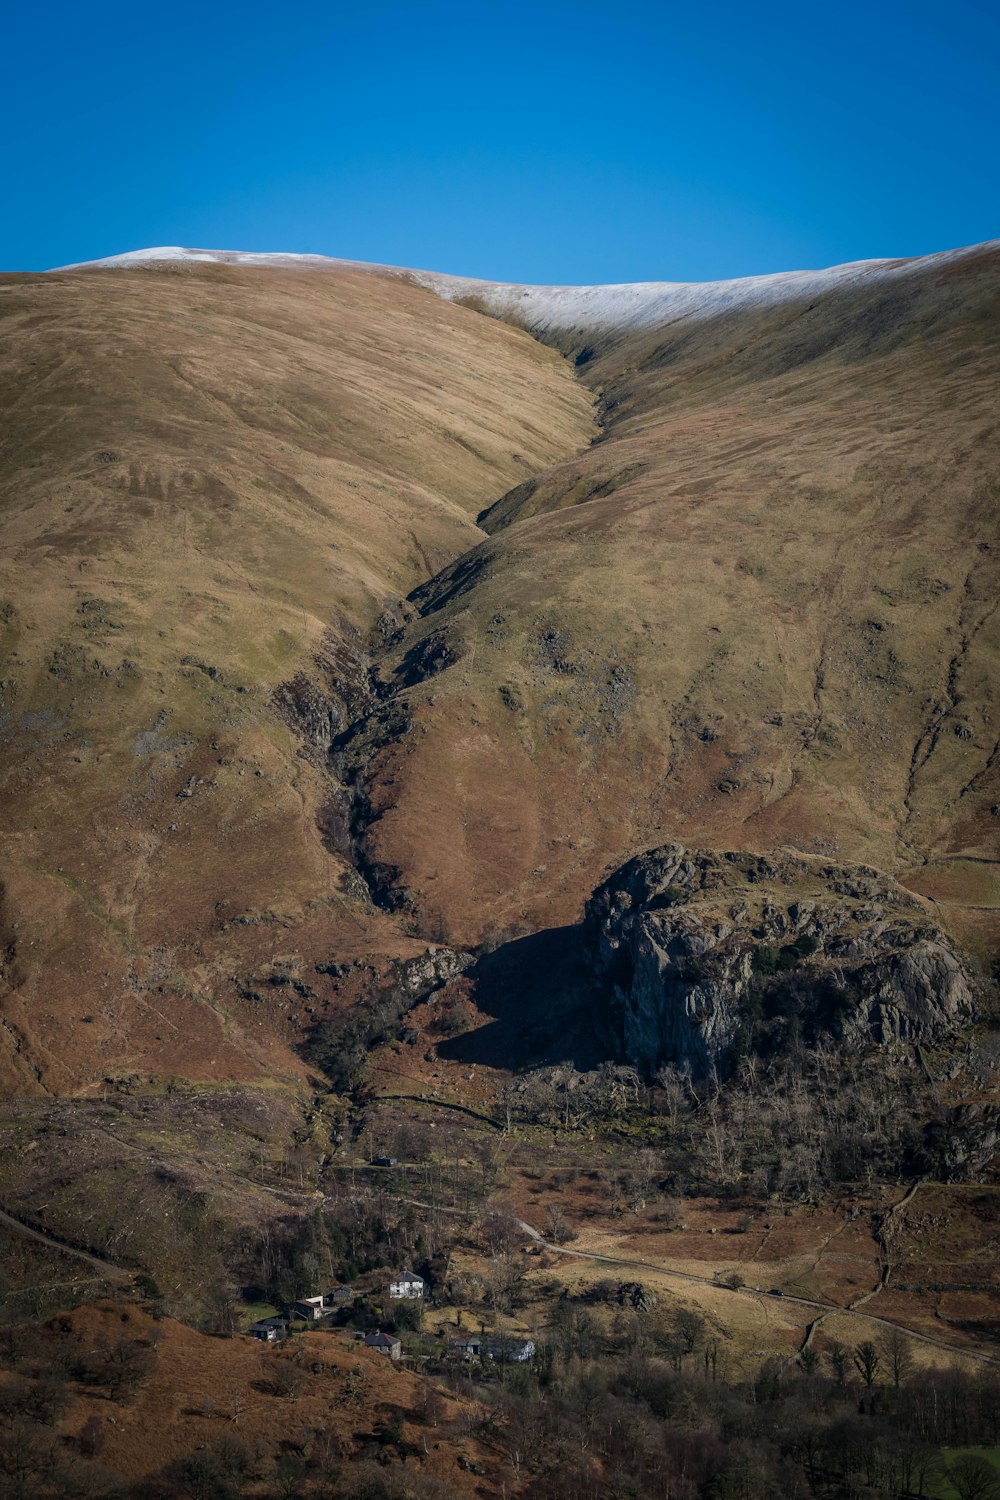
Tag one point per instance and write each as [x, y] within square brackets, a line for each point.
[633, 305]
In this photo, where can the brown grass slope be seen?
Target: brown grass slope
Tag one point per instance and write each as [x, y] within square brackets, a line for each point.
[325, 1397]
[208, 475]
[760, 611]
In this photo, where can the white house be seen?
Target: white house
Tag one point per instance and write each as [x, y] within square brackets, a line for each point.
[510, 1351]
[506, 1350]
[406, 1286]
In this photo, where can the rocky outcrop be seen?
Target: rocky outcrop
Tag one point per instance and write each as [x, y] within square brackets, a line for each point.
[438, 966]
[319, 705]
[703, 957]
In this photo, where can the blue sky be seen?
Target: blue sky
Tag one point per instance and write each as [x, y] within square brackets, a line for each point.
[546, 142]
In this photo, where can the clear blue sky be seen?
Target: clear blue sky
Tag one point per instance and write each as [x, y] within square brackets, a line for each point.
[552, 141]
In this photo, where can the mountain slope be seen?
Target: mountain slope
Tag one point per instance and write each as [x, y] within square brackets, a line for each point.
[213, 482]
[757, 611]
[760, 611]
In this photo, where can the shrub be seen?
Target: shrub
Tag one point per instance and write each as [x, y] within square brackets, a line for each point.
[765, 959]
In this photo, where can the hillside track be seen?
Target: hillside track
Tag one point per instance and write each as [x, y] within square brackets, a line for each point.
[826, 1308]
[107, 1268]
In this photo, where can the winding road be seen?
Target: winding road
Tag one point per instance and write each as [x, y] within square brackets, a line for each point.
[110, 1271]
[827, 1309]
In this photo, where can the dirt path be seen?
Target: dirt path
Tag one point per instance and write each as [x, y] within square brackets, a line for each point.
[827, 1309]
[107, 1268]
[885, 1271]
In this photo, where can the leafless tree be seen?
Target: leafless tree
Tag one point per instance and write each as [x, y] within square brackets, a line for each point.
[973, 1478]
[898, 1354]
[559, 1227]
[866, 1362]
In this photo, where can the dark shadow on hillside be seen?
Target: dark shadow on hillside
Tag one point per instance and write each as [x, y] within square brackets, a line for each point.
[546, 1006]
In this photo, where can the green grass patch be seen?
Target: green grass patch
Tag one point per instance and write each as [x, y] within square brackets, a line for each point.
[942, 1489]
[254, 1311]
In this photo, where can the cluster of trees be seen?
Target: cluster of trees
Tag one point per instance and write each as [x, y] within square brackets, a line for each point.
[789, 1126]
[41, 1372]
[587, 1422]
[364, 1229]
[342, 1046]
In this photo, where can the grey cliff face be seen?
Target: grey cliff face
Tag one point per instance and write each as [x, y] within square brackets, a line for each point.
[705, 956]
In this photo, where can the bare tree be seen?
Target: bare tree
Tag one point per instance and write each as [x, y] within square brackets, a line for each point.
[674, 1092]
[898, 1354]
[235, 1400]
[559, 1226]
[837, 1357]
[502, 1232]
[866, 1362]
[690, 1327]
[973, 1478]
[503, 1274]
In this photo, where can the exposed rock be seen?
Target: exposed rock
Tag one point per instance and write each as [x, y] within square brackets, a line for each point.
[419, 976]
[321, 704]
[554, 647]
[693, 977]
[427, 658]
[634, 1294]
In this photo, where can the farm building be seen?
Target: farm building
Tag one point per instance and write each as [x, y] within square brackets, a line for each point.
[468, 1348]
[385, 1343]
[269, 1330]
[313, 1308]
[309, 1308]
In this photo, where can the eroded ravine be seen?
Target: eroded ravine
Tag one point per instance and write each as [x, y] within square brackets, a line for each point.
[725, 622]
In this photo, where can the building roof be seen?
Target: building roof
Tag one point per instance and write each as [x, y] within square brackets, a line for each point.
[381, 1340]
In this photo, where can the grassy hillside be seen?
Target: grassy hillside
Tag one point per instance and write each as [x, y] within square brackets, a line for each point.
[760, 611]
[339, 623]
[213, 482]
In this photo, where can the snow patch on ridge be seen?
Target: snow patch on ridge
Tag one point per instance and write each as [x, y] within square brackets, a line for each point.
[159, 253]
[654, 304]
[563, 309]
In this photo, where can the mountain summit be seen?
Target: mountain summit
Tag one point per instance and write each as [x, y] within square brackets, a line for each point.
[547, 309]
